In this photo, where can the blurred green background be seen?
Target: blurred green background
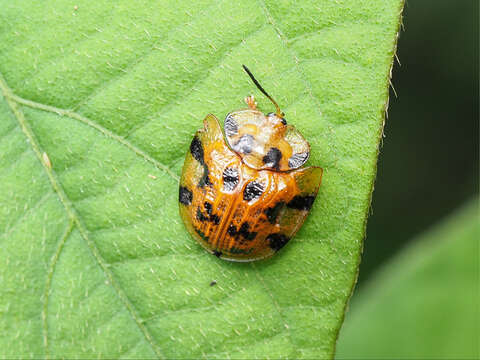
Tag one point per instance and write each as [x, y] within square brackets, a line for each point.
[427, 177]
[428, 164]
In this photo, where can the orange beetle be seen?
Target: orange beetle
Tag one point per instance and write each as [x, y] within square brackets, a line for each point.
[244, 198]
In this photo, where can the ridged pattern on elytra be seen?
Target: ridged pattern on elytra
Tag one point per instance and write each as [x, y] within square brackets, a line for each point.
[229, 223]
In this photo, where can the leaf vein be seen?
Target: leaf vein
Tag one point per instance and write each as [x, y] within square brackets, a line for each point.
[284, 40]
[274, 302]
[91, 123]
[201, 79]
[131, 65]
[70, 210]
[48, 284]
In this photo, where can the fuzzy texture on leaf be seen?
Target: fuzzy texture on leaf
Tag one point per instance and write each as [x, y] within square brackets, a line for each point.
[95, 261]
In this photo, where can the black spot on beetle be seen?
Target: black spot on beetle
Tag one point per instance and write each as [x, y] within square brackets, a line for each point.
[209, 216]
[230, 179]
[245, 144]
[200, 216]
[196, 149]
[297, 160]
[284, 121]
[273, 212]
[230, 126]
[215, 219]
[250, 236]
[235, 250]
[202, 235]
[247, 235]
[301, 202]
[252, 191]
[208, 207]
[232, 230]
[244, 228]
[185, 196]
[273, 157]
[217, 253]
[205, 179]
[277, 241]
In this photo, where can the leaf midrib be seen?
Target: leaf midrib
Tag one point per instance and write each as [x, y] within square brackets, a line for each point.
[74, 220]
[76, 116]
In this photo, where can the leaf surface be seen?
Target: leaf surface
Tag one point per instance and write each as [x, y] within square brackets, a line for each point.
[99, 103]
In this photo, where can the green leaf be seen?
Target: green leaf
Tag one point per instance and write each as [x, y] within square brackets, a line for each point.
[424, 304]
[100, 102]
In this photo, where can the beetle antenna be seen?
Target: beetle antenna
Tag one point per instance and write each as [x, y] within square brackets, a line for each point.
[279, 112]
